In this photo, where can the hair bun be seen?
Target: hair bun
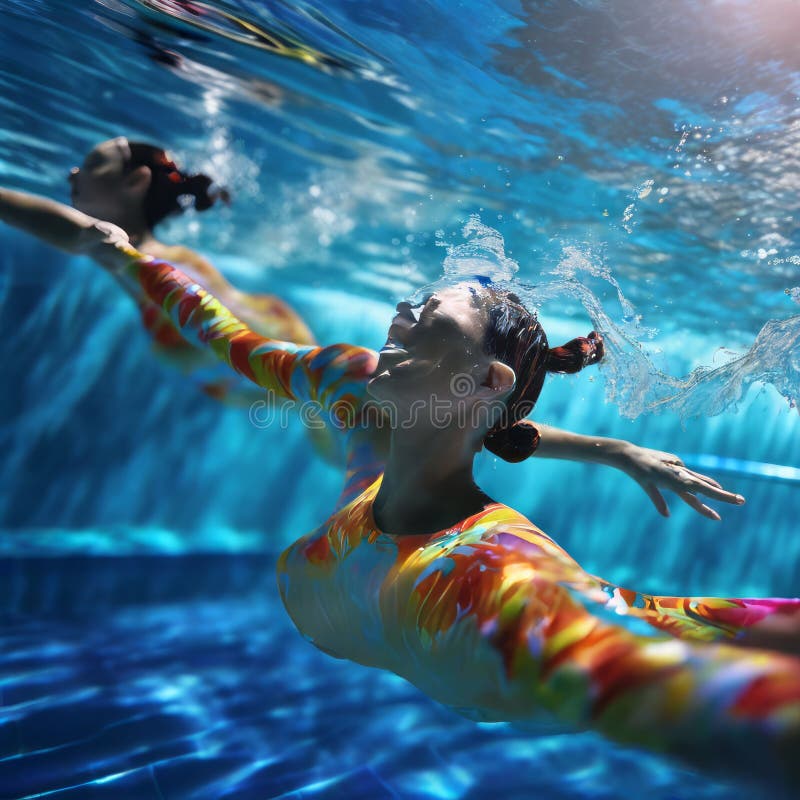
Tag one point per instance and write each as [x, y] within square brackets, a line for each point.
[514, 443]
[197, 186]
[169, 184]
[576, 354]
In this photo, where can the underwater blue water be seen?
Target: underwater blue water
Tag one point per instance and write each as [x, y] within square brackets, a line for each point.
[646, 152]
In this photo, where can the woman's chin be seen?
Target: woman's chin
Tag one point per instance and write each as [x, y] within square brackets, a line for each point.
[376, 385]
[386, 384]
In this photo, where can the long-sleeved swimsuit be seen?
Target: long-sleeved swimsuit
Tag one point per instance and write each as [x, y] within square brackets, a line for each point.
[491, 617]
[264, 314]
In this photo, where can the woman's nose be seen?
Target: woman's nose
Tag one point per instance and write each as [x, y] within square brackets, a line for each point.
[405, 309]
[73, 173]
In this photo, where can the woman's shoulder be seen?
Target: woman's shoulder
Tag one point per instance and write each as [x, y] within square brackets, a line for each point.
[508, 536]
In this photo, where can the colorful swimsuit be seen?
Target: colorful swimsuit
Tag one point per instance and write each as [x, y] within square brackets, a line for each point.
[492, 617]
[266, 314]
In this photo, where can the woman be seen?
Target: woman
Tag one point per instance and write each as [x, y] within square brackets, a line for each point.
[136, 186]
[419, 572]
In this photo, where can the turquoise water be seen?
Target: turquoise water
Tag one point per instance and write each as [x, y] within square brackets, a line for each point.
[644, 152]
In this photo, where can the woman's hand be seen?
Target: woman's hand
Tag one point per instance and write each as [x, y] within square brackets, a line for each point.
[655, 470]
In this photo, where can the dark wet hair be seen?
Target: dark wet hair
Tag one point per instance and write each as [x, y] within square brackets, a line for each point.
[516, 337]
[168, 184]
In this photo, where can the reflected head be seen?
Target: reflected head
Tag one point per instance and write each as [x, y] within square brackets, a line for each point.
[119, 177]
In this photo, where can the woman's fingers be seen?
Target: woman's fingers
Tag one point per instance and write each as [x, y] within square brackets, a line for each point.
[658, 501]
[703, 478]
[656, 471]
[718, 493]
[696, 482]
[698, 506]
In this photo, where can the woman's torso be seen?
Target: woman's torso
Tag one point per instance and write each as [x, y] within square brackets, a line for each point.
[490, 617]
[428, 607]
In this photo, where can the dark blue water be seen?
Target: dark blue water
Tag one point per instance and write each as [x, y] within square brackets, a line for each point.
[203, 689]
[650, 148]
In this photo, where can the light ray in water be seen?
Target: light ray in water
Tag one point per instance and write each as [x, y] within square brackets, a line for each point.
[743, 468]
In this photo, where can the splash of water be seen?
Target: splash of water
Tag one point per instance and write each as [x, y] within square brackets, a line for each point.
[631, 378]
[774, 358]
[483, 254]
[633, 382]
[640, 193]
[637, 386]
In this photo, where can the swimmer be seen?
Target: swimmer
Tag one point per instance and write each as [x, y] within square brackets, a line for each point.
[136, 186]
[419, 572]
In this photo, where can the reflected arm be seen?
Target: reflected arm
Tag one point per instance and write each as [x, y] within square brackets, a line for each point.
[57, 224]
[333, 377]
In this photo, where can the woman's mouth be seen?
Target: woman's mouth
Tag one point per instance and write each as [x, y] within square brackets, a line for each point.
[392, 347]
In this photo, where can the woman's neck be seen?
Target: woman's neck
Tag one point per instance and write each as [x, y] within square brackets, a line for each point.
[427, 484]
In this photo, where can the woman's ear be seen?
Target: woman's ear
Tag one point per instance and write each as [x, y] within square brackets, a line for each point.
[137, 182]
[500, 379]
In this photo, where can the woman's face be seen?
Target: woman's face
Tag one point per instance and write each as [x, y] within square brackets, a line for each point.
[100, 186]
[435, 356]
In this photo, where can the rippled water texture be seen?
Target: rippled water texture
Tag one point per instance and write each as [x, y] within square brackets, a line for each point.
[632, 166]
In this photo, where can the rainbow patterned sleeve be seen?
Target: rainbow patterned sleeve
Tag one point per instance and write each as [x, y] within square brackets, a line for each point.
[333, 377]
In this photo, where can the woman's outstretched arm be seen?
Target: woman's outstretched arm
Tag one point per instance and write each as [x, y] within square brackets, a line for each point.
[653, 470]
[332, 377]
